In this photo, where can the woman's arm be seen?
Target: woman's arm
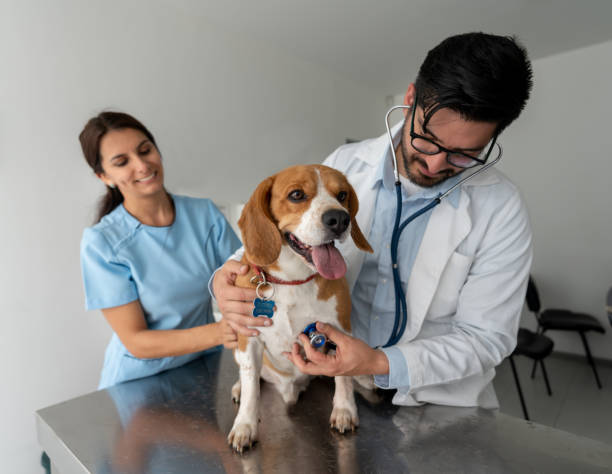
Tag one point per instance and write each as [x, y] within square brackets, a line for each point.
[129, 323]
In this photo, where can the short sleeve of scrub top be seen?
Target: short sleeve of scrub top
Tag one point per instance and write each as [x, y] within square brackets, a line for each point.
[166, 268]
[108, 283]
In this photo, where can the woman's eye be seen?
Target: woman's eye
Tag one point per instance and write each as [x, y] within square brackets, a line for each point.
[297, 195]
[120, 162]
[145, 151]
[341, 196]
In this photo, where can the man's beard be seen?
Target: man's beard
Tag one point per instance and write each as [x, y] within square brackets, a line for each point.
[417, 178]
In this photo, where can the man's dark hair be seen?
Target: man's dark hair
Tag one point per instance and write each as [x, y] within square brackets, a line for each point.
[483, 77]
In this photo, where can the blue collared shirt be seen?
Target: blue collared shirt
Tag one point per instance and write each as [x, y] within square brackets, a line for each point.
[373, 297]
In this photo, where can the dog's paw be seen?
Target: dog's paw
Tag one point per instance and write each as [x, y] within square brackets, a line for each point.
[343, 420]
[236, 389]
[242, 436]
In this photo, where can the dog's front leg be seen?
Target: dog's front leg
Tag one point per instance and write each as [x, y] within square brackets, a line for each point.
[244, 431]
[344, 413]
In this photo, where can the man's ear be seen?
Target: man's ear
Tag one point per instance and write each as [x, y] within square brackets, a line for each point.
[261, 238]
[410, 94]
[409, 97]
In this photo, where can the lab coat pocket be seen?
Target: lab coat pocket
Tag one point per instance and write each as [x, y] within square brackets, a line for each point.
[451, 281]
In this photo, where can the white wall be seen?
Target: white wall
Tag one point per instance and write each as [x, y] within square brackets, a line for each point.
[560, 154]
[226, 111]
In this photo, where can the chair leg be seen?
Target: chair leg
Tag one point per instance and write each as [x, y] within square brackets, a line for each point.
[546, 378]
[518, 387]
[585, 343]
[540, 330]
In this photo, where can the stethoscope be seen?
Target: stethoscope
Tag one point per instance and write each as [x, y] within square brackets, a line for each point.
[401, 312]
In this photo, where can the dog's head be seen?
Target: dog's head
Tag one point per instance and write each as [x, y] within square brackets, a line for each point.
[307, 208]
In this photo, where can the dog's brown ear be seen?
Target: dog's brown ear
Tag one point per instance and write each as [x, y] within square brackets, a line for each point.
[261, 238]
[358, 238]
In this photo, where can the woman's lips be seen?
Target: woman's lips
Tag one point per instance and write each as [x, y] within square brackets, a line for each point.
[148, 179]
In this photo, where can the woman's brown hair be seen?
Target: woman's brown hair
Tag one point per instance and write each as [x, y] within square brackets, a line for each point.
[90, 137]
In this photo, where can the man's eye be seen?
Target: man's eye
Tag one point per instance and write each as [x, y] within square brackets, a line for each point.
[297, 195]
[341, 196]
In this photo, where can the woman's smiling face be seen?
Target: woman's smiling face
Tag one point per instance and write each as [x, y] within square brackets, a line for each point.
[132, 163]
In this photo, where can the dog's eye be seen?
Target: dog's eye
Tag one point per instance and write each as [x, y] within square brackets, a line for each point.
[297, 195]
[341, 197]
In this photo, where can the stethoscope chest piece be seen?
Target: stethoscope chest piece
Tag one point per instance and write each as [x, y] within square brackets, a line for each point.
[316, 338]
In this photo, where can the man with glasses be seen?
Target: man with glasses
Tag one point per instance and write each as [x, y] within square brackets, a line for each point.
[463, 266]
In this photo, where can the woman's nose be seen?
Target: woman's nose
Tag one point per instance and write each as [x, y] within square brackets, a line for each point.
[141, 164]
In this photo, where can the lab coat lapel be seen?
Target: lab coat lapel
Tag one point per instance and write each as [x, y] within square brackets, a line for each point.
[446, 229]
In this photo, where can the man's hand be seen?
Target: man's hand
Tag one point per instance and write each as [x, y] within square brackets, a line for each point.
[236, 304]
[352, 357]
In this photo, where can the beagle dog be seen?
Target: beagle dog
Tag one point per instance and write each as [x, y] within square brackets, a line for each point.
[288, 228]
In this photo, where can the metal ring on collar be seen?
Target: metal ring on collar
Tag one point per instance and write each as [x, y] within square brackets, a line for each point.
[264, 283]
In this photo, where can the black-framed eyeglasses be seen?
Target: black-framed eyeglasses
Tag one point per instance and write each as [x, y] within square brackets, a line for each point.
[456, 158]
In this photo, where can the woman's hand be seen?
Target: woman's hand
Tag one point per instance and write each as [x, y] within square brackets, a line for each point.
[229, 337]
[236, 304]
[352, 357]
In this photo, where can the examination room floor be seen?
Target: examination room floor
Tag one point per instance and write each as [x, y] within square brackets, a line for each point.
[576, 404]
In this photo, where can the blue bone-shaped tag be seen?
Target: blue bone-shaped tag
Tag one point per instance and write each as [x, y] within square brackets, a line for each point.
[263, 307]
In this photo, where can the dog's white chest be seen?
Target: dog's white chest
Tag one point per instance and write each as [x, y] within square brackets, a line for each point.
[296, 307]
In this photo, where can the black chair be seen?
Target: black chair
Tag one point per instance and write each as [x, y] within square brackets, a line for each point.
[537, 347]
[563, 320]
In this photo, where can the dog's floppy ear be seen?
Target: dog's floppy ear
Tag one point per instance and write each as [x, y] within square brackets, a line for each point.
[261, 238]
[358, 238]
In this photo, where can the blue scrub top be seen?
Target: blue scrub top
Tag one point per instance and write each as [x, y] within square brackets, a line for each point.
[166, 268]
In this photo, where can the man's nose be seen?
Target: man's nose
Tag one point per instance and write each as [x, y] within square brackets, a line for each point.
[437, 162]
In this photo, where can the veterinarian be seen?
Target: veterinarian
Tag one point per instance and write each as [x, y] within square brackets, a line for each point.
[147, 261]
[464, 265]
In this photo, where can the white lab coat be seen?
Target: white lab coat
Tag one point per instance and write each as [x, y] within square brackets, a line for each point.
[467, 285]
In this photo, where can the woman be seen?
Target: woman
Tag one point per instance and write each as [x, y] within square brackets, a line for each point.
[147, 261]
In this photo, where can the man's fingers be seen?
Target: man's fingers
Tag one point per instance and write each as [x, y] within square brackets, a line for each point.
[331, 332]
[312, 354]
[298, 360]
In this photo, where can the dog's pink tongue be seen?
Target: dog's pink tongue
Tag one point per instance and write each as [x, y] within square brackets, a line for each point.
[328, 261]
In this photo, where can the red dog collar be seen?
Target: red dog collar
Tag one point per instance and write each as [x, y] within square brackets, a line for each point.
[271, 279]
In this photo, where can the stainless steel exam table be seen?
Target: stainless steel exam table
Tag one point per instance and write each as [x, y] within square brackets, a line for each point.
[177, 422]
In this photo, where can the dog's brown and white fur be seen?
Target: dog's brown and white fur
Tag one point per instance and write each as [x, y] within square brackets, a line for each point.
[286, 232]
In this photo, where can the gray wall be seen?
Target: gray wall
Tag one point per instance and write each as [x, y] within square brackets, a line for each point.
[226, 111]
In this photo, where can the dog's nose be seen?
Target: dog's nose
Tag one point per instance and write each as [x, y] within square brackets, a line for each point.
[336, 220]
